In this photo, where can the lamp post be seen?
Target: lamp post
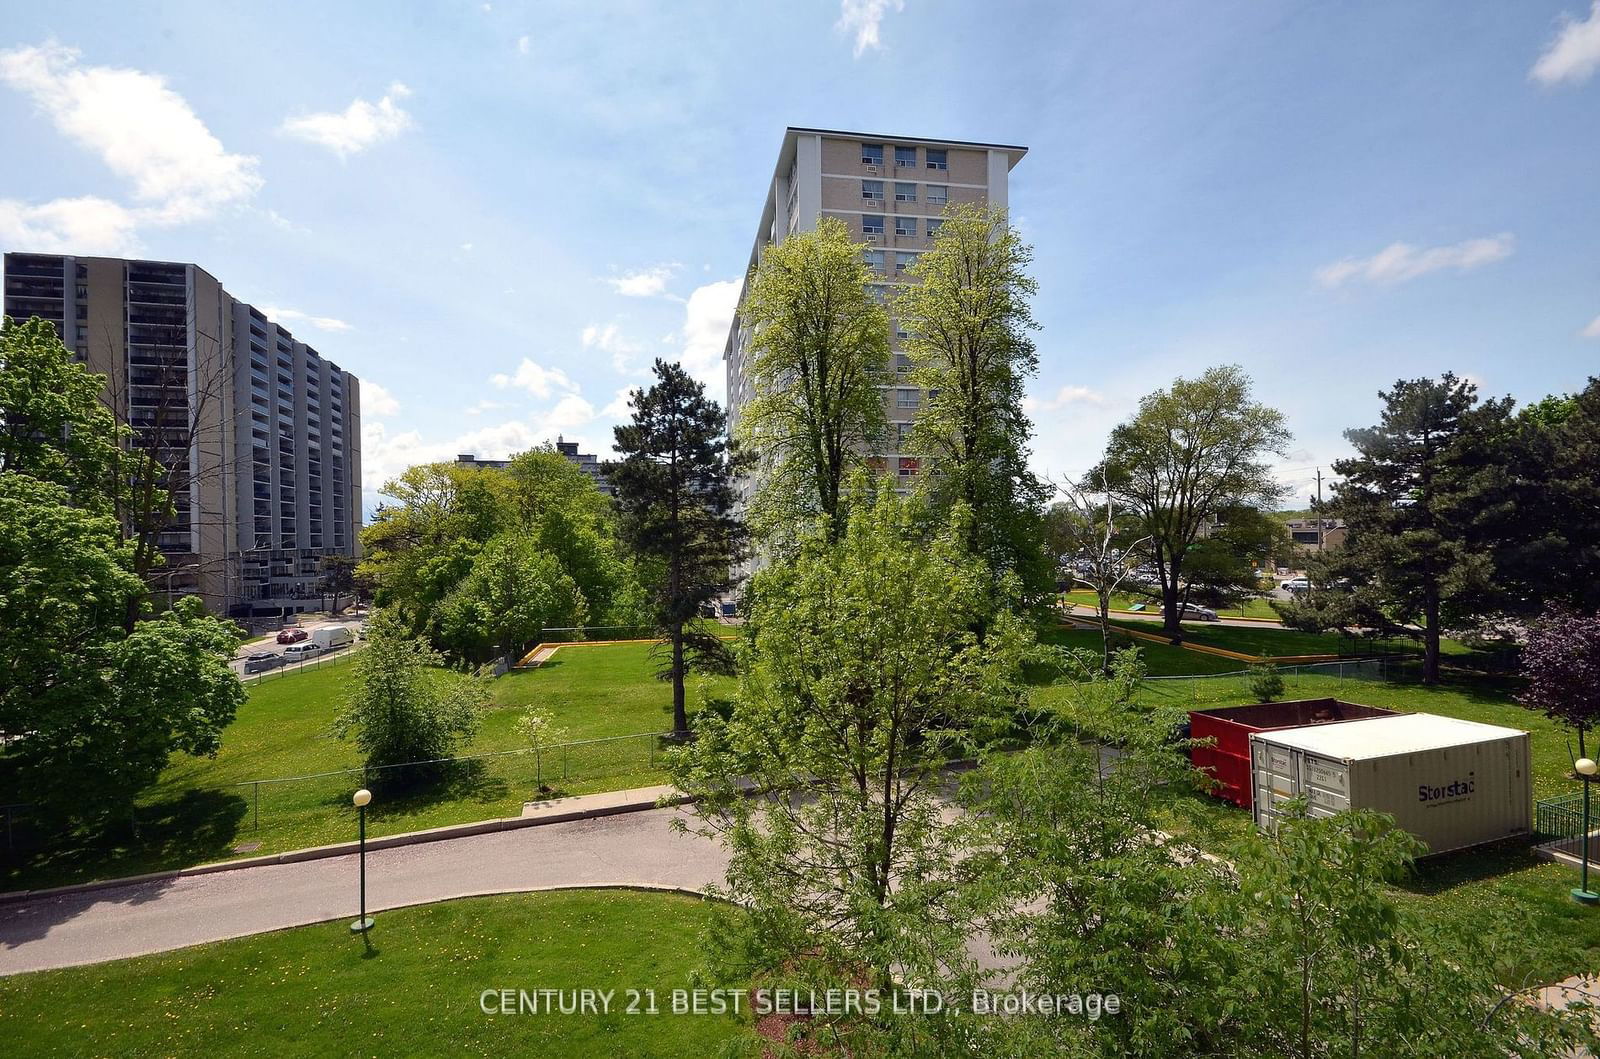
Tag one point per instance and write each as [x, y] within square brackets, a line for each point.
[1585, 767]
[364, 924]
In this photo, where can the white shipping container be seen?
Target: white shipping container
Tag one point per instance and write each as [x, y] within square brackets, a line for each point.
[1450, 783]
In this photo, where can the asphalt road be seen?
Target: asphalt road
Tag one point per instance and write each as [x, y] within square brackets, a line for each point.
[631, 849]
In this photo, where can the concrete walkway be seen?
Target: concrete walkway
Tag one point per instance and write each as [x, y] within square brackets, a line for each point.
[630, 849]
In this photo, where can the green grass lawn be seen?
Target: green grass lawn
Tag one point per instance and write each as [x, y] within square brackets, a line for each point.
[1269, 641]
[202, 808]
[1251, 608]
[1500, 885]
[319, 990]
[1162, 659]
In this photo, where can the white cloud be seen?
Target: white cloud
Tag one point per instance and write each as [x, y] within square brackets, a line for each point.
[609, 339]
[618, 411]
[535, 378]
[86, 225]
[862, 18]
[1574, 54]
[356, 127]
[1593, 330]
[376, 400]
[1064, 397]
[1399, 262]
[707, 315]
[645, 282]
[524, 44]
[142, 130]
[385, 455]
[278, 314]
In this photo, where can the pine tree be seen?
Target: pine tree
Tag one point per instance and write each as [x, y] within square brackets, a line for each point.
[674, 487]
[1411, 558]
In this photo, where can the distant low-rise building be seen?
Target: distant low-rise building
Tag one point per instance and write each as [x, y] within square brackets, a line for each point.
[586, 462]
[1310, 535]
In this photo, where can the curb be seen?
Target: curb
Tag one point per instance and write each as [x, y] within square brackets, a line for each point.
[340, 849]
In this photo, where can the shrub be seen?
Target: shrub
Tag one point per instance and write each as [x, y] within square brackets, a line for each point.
[1266, 683]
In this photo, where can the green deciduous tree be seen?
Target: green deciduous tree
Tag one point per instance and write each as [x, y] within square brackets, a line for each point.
[53, 424]
[95, 700]
[402, 707]
[819, 349]
[512, 593]
[674, 489]
[420, 549]
[860, 680]
[1192, 451]
[1081, 891]
[164, 688]
[969, 319]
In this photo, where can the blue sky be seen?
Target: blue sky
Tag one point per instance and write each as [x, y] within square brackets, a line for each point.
[497, 213]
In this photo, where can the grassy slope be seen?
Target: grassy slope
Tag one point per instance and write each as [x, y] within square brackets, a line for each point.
[316, 991]
[198, 811]
[1499, 885]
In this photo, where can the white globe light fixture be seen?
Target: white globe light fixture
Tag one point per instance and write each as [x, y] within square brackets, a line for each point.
[363, 797]
[1585, 766]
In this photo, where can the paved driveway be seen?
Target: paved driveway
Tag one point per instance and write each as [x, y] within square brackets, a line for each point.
[629, 849]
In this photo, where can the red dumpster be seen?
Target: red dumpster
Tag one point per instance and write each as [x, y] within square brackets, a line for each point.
[1227, 759]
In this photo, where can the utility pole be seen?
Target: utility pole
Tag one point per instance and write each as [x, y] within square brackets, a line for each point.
[1319, 512]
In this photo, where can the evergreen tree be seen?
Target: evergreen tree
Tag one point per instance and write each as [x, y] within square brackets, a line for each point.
[1412, 560]
[969, 321]
[674, 488]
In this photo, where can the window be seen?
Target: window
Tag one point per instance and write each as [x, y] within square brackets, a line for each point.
[938, 159]
[938, 194]
[902, 434]
[905, 226]
[933, 227]
[872, 189]
[872, 154]
[904, 261]
[905, 157]
[873, 258]
[905, 398]
[908, 466]
[902, 364]
[905, 192]
[872, 223]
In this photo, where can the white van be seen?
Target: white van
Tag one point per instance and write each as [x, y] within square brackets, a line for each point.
[300, 652]
[332, 637]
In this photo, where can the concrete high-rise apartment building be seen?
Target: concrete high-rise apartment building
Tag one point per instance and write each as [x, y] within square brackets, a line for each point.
[890, 192]
[265, 433]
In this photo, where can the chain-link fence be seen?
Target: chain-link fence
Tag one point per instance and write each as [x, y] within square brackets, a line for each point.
[1311, 680]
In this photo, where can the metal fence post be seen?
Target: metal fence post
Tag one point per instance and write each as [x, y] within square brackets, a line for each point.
[258, 805]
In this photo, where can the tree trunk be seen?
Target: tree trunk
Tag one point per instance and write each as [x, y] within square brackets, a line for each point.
[680, 716]
[1170, 612]
[1105, 631]
[1430, 636]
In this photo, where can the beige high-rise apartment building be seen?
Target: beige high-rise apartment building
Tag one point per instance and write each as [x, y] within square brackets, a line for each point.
[890, 191]
[263, 433]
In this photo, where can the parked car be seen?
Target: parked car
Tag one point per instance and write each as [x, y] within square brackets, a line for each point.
[301, 651]
[260, 656]
[1297, 584]
[293, 634]
[1195, 612]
